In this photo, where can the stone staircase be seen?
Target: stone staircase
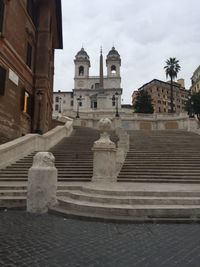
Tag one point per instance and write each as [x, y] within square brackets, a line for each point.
[167, 164]
[130, 202]
[162, 156]
[73, 159]
[161, 171]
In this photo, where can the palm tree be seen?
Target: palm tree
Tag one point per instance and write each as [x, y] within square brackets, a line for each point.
[171, 69]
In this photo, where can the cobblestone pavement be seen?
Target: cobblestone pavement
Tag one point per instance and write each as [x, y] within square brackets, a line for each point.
[47, 240]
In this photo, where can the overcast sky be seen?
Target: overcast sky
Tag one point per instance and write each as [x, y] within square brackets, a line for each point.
[145, 33]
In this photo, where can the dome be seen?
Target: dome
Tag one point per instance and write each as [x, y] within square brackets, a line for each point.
[82, 54]
[113, 54]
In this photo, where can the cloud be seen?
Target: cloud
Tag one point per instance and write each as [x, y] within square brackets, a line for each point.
[144, 32]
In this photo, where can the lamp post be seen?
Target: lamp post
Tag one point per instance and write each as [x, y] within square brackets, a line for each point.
[79, 99]
[115, 98]
[39, 97]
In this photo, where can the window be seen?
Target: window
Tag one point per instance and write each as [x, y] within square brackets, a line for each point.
[56, 107]
[96, 85]
[1, 15]
[26, 102]
[31, 10]
[29, 55]
[159, 109]
[93, 104]
[57, 99]
[113, 69]
[2, 80]
[26, 96]
[72, 103]
[81, 71]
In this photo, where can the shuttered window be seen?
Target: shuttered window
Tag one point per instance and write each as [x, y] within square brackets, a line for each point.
[2, 80]
[31, 9]
[1, 14]
[26, 102]
[29, 55]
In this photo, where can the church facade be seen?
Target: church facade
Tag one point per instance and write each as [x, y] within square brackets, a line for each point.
[100, 93]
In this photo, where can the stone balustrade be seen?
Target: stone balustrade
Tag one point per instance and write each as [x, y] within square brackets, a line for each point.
[12, 151]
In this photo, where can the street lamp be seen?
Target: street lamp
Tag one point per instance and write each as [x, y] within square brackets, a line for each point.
[115, 99]
[79, 99]
[39, 97]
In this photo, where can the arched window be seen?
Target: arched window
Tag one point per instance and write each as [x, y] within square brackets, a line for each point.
[113, 69]
[81, 71]
[57, 99]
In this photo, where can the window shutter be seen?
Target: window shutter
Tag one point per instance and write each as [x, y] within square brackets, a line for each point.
[2, 80]
[1, 15]
[22, 98]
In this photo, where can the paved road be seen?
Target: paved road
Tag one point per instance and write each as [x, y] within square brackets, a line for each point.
[47, 240]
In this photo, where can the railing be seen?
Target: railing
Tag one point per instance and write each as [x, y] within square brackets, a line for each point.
[14, 150]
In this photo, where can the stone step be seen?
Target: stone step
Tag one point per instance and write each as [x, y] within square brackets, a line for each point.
[129, 200]
[159, 172]
[59, 211]
[161, 157]
[13, 202]
[163, 191]
[159, 168]
[159, 180]
[130, 210]
[162, 165]
[13, 192]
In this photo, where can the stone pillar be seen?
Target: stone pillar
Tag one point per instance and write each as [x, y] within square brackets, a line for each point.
[104, 165]
[42, 183]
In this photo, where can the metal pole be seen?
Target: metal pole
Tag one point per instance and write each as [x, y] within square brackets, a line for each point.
[78, 102]
[117, 113]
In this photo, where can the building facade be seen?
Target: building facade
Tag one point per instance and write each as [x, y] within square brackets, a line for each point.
[92, 93]
[63, 102]
[160, 94]
[195, 81]
[30, 31]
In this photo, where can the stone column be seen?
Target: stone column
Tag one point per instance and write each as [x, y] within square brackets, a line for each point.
[104, 165]
[42, 183]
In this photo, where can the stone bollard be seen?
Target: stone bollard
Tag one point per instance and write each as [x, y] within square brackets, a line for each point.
[104, 165]
[42, 183]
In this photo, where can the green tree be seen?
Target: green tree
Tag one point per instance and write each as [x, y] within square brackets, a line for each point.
[193, 105]
[171, 69]
[143, 103]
